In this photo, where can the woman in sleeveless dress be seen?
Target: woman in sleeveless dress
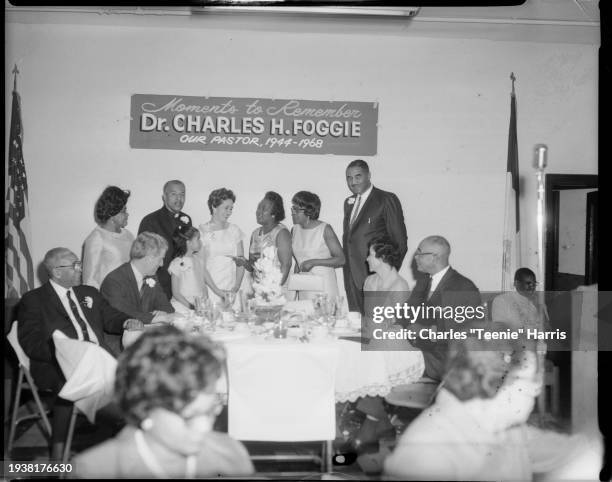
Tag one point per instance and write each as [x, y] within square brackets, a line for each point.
[315, 244]
[221, 240]
[270, 212]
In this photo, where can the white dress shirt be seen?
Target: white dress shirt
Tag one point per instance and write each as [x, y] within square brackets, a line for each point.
[436, 278]
[63, 296]
[139, 276]
[364, 197]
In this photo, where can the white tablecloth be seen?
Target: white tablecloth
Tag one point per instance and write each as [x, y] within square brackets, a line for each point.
[358, 373]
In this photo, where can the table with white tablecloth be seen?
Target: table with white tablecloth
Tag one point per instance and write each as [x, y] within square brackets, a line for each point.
[358, 373]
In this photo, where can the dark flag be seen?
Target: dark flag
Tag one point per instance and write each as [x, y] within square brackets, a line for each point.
[19, 270]
[512, 235]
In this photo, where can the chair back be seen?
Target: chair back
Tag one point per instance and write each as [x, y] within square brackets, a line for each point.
[281, 392]
[13, 339]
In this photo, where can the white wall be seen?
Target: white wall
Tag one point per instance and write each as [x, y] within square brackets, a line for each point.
[443, 123]
[572, 230]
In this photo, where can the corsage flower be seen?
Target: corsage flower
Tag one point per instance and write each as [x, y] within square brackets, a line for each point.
[184, 219]
[88, 301]
[351, 200]
[150, 282]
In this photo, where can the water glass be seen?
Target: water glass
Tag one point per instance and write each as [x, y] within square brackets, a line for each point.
[229, 297]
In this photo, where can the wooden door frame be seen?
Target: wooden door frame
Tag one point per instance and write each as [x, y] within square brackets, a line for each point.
[553, 183]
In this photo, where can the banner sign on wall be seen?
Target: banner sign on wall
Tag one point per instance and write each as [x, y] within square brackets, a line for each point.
[253, 125]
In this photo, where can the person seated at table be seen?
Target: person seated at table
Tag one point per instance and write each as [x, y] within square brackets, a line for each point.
[79, 312]
[476, 429]
[165, 385]
[187, 274]
[134, 288]
[386, 287]
[315, 244]
[270, 212]
[108, 245]
[521, 308]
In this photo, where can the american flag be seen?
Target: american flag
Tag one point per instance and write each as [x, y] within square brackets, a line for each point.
[19, 273]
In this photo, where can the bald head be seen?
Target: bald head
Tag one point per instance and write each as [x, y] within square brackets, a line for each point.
[54, 258]
[432, 254]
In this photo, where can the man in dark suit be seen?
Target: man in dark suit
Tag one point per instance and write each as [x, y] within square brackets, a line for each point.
[80, 312]
[369, 213]
[163, 222]
[441, 287]
[134, 288]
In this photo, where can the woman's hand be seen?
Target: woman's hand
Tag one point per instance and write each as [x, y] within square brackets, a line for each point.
[307, 265]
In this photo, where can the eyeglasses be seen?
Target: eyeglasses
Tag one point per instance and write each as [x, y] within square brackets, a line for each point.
[77, 265]
[295, 209]
[423, 254]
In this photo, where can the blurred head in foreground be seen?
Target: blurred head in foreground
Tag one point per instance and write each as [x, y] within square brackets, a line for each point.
[504, 372]
[165, 385]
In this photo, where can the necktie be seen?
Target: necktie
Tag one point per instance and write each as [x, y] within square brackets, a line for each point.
[427, 290]
[77, 317]
[356, 209]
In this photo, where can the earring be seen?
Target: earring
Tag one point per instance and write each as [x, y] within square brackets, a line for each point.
[146, 424]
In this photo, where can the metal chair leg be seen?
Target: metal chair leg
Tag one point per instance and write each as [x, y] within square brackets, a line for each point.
[41, 408]
[328, 452]
[68, 444]
[13, 428]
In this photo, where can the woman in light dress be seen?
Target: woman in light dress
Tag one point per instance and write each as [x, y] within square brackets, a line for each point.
[221, 241]
[315, 244]
[270, 212]
[108, 245]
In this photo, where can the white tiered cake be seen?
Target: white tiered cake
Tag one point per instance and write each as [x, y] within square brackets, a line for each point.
[267, 284]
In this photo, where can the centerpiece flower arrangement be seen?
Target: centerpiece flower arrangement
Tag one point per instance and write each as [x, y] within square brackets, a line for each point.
[267, 284]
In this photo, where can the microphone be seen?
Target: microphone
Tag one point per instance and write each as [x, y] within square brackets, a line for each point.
[540, 156]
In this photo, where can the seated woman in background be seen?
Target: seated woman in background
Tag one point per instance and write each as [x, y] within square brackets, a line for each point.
[270, 212]
[476, 429]
[108, 245]
[188, 275]
[221, 240]
[315, 244]
[165, 386]
[384, 288]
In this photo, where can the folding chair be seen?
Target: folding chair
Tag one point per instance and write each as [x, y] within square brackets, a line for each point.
[28, 383]
[283, 393]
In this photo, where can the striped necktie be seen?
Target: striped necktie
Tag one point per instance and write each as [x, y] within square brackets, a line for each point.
[355, 209]
[77, 316]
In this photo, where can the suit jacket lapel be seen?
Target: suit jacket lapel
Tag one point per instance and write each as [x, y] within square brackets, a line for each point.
[55, 300]
[448, 275]
[364, 206]
[131, 281]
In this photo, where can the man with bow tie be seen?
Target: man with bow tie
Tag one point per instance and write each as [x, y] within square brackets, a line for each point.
[134, 288]
[368, 214]
[163, 222]
[79, 312]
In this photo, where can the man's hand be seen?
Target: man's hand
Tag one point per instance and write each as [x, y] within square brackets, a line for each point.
[133, 324]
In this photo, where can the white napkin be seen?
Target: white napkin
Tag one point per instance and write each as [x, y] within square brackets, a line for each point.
[89, 371]
[130, 336]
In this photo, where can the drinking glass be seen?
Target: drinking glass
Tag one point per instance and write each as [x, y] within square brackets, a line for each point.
[229, 297]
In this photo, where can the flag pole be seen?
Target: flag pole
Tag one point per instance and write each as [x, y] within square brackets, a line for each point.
[540, 160]
[15, 72]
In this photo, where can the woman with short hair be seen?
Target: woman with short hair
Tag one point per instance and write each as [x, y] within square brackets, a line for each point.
[315, 244]
[165, 386]
[108, 245]
[220, 241]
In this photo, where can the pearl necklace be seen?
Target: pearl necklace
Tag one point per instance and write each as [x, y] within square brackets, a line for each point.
[148, 457]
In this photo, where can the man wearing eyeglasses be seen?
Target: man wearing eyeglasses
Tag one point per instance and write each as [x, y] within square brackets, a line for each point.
[79, 312]
[443, 287]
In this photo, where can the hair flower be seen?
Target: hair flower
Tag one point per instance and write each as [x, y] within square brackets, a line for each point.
[88, 301]
[150, 282]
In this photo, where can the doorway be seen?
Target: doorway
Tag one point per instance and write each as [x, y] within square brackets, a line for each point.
[571, 257]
